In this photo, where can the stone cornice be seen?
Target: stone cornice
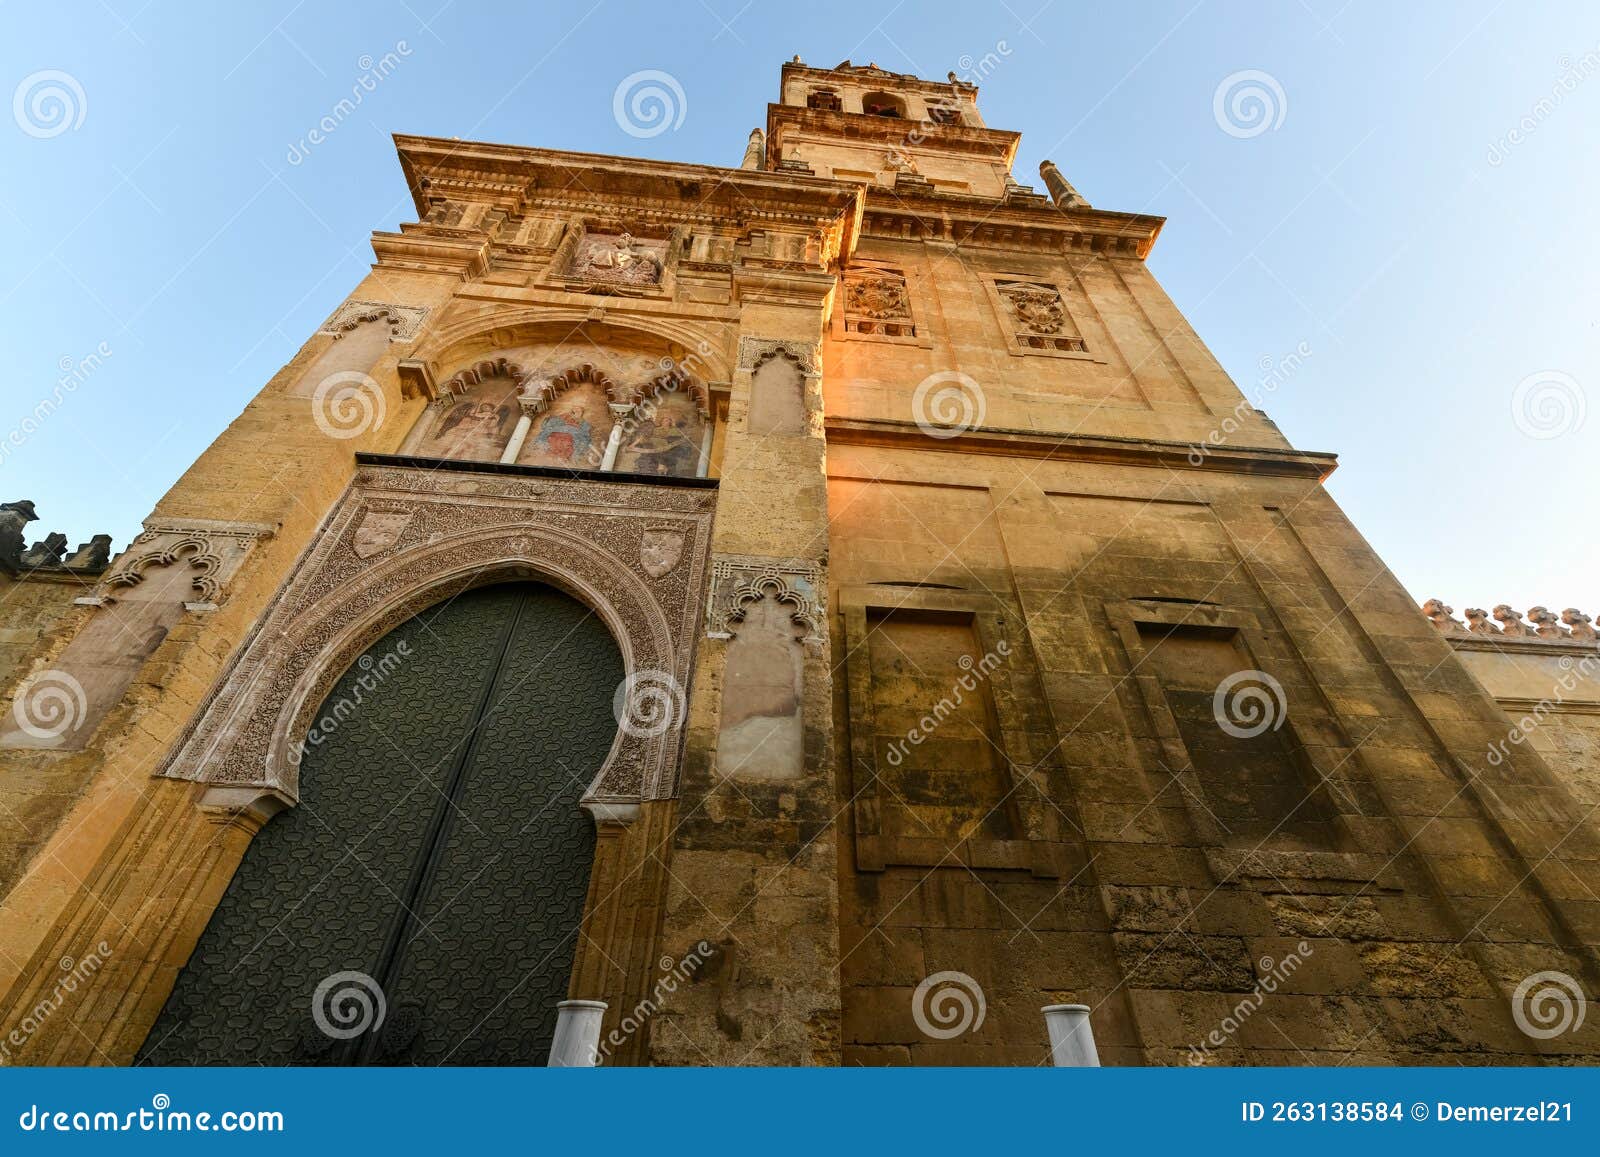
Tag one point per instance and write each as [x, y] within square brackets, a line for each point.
[1536, 646]
[959, 219]
[514, 178]
[783, 120]
[904, 81]
[1310, 464]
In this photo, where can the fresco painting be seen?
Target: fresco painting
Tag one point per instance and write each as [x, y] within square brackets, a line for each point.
[476, 426]
[666, 438]
[571, 432]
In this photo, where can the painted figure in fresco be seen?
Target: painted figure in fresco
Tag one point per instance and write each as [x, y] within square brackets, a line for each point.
[473, 429]
[669, 444]
[566, 437]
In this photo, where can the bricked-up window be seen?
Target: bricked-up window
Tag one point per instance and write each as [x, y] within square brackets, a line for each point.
[1250, 779]
[941, 771]
[823, 99]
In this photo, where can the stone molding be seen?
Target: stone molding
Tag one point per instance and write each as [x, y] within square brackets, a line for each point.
[405, 321]
[462, 529]
[214, 549]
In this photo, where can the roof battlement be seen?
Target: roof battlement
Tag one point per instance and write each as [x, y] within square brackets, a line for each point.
[49, 555]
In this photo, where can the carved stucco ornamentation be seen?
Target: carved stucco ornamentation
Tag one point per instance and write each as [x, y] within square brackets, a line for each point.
[213, 550]
[618, 258]
[405, 321]
[753, 351]
[1035, 308]
[462, 530]
[881, 296]
[877, 302]
[739, 580]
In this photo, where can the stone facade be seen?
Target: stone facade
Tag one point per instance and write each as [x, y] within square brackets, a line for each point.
[1009, 657]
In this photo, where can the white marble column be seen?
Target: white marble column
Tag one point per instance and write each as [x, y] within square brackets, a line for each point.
[619, 416]
[518, 437]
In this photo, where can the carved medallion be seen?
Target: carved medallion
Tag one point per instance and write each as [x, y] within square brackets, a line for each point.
[378, 531]
[660, 548]
[1037, 308]
[877, 297]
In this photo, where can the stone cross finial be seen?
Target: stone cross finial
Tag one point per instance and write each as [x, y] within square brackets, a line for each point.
[1478, 622]
[1442, 618]
[1580, 623]
[1512, 623]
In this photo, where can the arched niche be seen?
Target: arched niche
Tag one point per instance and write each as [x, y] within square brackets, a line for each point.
[593, 397]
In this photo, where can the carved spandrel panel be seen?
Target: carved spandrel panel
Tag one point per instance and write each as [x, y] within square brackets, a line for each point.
[461, 530]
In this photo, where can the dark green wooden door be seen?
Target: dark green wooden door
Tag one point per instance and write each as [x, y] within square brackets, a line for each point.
[437, 861]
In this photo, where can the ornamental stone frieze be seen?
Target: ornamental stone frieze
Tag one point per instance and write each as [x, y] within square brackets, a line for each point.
[402, 539]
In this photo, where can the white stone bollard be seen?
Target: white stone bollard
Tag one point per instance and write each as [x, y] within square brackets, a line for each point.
[1071, 1037]
[577, 1040]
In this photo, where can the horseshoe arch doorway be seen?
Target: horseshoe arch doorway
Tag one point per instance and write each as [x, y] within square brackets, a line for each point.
[421, 904]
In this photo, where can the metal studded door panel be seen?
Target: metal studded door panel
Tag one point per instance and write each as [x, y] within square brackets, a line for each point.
[430, 754]
[513, 869]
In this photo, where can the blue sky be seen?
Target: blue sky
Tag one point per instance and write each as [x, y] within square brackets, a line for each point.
[1438, 277]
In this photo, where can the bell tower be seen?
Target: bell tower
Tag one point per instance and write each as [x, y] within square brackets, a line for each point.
[888, 130]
